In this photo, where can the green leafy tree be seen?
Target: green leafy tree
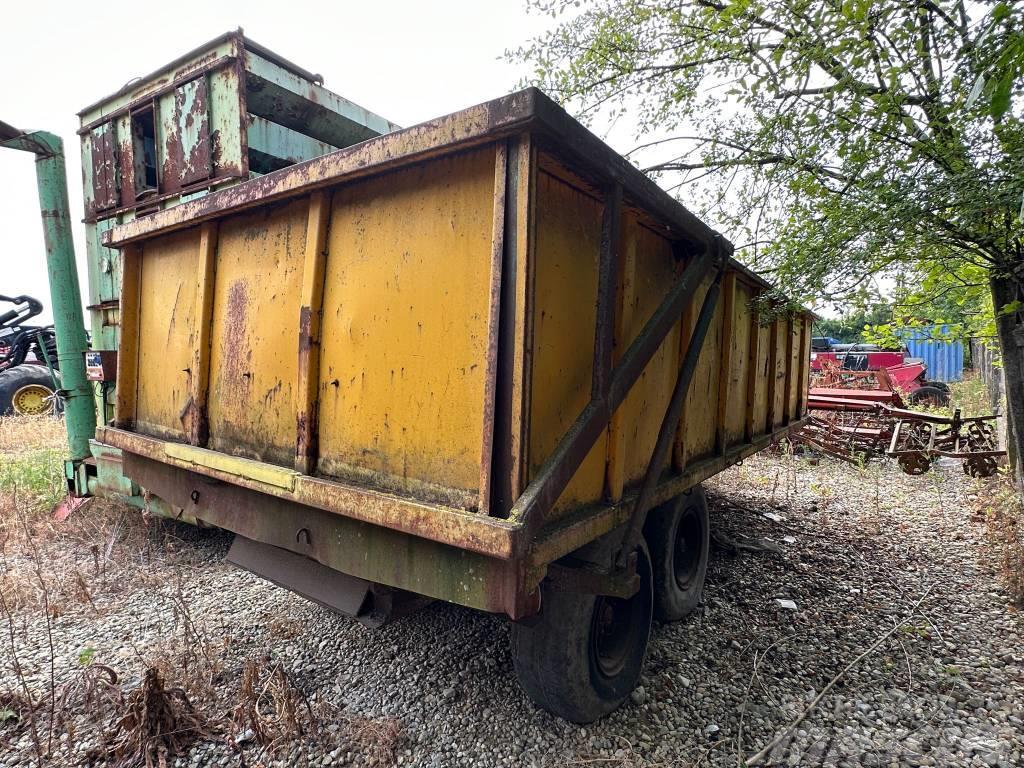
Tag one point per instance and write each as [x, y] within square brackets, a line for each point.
[851, 326]
[838, 142]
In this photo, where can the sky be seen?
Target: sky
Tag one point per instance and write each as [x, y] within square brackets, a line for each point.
[406, 60]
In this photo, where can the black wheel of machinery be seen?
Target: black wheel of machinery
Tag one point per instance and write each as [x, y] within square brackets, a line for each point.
[929, 396]
[678, 535]
[20, 379]
[583, 656]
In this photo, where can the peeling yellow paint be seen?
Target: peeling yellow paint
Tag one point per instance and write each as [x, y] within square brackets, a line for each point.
[405, 323]
[254, 356]
[166, 331]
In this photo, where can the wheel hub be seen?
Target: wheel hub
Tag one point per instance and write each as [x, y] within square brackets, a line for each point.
[613, 619]
[689, 540]
[32, 400]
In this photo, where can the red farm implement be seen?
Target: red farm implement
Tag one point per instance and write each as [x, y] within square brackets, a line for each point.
[901, 383]
[859, 425]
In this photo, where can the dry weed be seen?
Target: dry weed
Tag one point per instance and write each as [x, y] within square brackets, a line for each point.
[378, 738]
[1003, 510]
[270, 705]
[25, 433]
[88, 555]
[16, 711]
[93, 688]
[188, 657]
[156, 724]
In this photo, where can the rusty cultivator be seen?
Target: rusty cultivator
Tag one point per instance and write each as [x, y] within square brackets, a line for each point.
[855, 429]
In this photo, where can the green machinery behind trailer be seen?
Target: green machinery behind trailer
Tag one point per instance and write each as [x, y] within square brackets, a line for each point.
[224, 113]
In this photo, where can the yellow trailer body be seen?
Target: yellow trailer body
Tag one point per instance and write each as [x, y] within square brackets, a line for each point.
[438, 360]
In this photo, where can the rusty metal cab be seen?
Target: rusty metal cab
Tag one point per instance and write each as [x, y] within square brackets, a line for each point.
[228, 111]
[440, 360]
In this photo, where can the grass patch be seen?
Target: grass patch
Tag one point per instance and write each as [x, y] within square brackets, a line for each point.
[970, 396]
[25, 433]
[32, 452]
[35, 476]
[1002, 508]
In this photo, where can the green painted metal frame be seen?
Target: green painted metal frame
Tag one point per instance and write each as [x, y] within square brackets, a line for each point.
[65, 297]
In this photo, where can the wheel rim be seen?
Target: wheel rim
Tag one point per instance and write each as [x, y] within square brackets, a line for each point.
[688, 546]
[33, 400]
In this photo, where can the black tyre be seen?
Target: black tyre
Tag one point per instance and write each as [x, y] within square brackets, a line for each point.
[930, 396]
[27, 390]
[678, 537]
[583, 656]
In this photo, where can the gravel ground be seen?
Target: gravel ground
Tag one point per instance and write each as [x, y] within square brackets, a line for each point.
[867, 556]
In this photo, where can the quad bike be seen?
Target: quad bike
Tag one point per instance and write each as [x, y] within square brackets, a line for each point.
[27, 354]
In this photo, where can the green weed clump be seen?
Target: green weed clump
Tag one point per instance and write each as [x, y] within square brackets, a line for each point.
[1003, 511]
[31, 464]
[36, 476]
[970, 396]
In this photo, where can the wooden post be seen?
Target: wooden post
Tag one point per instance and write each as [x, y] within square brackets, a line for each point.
[753, 356]
[307, 433]
[805, 361]
[787, 411]
[128, 352]
[493, 321]
[195, 416]
[773, 375]
[725, 360]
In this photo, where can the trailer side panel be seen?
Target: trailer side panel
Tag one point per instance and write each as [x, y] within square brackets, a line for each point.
[406, 326]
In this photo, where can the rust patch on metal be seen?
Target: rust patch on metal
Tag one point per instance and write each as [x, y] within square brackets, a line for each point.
[174, 159]
[195, 423]
[217, 154]
[104, 173]
[236, 354]
[307, 425]
[462, 130]
[197, 164]
[306, 341]
[126, 157]
[185, 164]
[493, 324]
[378, 554]
[193, 66]
[447, 525]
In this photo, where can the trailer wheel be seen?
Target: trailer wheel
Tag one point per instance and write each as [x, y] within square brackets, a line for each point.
[26, 390]
[678, 535]
[583, 656]
[930, 396]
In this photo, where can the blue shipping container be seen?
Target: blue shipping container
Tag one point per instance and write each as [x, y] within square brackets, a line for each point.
[942, 353]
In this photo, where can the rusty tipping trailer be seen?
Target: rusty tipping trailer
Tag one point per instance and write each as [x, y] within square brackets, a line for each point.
[483, 360]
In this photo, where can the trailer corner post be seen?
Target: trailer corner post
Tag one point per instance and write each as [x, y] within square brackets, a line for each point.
[65, 297]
